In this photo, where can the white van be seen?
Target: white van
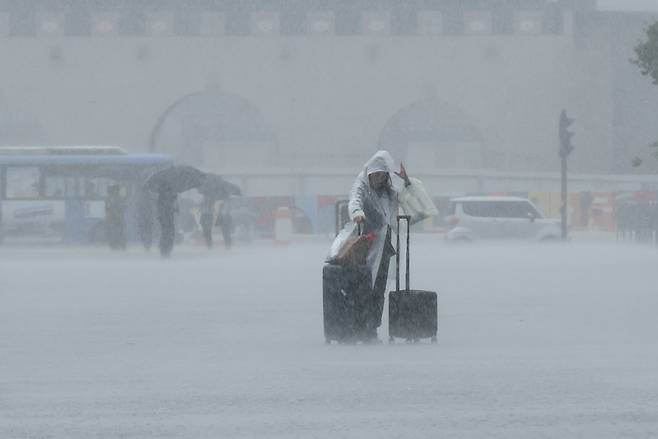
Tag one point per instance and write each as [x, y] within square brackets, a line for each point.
[474, 218]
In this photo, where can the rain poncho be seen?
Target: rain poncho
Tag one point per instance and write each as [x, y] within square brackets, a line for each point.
[380, 209]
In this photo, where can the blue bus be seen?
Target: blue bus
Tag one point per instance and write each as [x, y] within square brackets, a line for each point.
[57, 194]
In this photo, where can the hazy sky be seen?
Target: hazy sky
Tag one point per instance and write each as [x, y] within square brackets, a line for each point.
[629, 5]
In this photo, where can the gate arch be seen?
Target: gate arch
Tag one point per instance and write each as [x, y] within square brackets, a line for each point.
[212, 129]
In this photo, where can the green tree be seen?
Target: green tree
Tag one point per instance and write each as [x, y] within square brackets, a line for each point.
[646, 54]
[646, 58]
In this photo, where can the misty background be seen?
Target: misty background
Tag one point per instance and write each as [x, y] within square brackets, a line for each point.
[283, 86]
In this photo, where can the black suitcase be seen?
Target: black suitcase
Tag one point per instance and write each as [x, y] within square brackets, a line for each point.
[343, 289]
[412, 314]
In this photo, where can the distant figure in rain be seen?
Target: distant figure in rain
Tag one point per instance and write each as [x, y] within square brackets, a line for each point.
[207, 219]
[115, 212]
[167, 207]
[146, 218]
[225, 221]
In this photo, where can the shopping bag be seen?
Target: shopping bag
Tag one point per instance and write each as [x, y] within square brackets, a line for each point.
[355, 250]
[415, 201]
[350, 247]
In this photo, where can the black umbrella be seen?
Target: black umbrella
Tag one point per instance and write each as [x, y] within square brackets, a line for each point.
[175, 179]
[217, 188]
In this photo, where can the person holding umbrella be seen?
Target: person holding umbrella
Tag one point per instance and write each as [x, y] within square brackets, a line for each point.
[214, 188]
[168, 183]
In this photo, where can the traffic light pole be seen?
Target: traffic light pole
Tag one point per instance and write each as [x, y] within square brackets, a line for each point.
[563, 198]
[565, 149]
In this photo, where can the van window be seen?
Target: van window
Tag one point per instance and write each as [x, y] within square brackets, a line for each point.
[483, 209]
[500, 209]
[518, 209]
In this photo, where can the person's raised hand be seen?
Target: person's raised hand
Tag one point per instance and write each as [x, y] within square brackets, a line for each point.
[403, 175]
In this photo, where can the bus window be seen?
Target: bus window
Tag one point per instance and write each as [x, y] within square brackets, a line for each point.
[62, 186]
[77, 186]
[96, 188]
[22, 182]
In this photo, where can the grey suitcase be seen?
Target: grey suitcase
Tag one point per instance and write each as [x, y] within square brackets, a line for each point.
[412, 314]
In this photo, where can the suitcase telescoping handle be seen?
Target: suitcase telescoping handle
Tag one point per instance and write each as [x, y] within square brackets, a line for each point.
[407, 218]
[341, 206]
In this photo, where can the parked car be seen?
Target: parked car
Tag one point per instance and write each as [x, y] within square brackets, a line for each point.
[475, 218]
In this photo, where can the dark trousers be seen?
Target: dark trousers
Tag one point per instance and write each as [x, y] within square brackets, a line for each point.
[167, 233]
[377, 299]
[226, 223]
[206, 227]
[373, 305]
[145, 231]
[226, 234]
[116, 232]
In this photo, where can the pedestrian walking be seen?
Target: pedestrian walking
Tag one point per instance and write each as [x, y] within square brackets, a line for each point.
[115, 218]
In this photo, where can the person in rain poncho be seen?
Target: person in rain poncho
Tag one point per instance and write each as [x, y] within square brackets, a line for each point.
[373, 203]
